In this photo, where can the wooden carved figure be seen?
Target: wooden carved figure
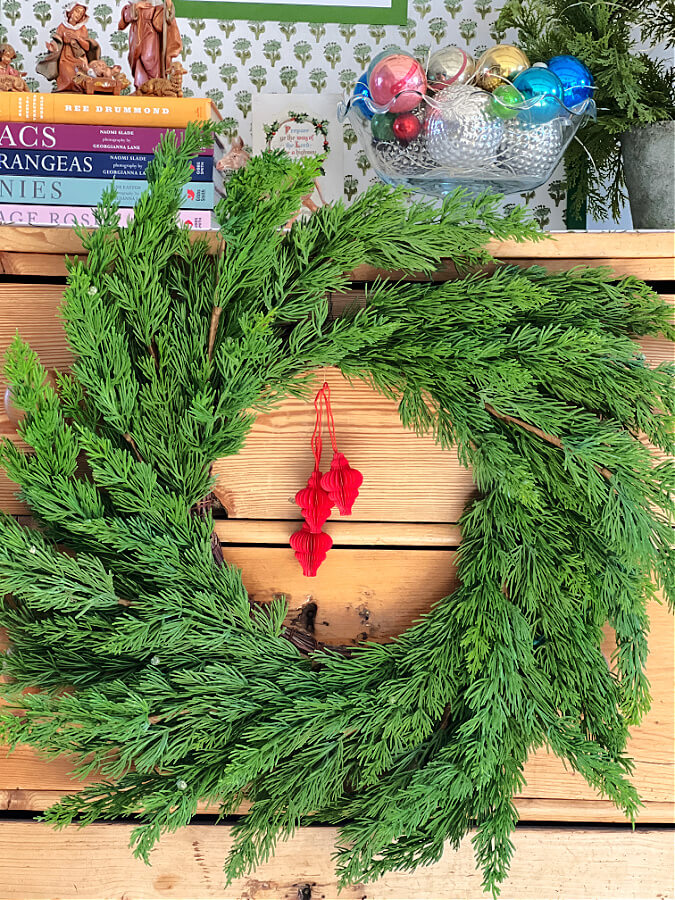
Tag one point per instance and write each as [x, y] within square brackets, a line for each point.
[10, 78]
[172, 86]
[70, 49]
[154, 39]
[100, 78]
[235, 158]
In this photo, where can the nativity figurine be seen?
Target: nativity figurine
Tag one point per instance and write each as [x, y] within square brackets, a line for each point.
[100, 78]
[171, 86]
[235, 158]
[10, 78]
[154, 40]
[70, 49]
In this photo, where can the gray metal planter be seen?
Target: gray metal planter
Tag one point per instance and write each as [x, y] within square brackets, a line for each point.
[649, 166]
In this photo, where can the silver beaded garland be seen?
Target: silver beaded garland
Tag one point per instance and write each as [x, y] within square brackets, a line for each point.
[529, 149]
[403, 159]
[460, 132]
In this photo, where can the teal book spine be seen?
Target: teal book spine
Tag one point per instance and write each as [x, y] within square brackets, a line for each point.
[88, 191]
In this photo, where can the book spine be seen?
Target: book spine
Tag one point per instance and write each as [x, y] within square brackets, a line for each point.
[96, 109]
[16, 214]
[75, 164]
[85, 191]
[94, 138]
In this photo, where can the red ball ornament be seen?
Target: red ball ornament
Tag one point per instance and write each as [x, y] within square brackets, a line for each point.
[310, 549]
[407, 127]
[397, 82]
[314, 502]
[342, 483]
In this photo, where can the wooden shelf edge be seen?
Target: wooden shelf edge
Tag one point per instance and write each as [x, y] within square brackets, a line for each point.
[561, 244]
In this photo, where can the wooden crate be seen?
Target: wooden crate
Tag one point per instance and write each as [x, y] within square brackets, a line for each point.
[392, 560]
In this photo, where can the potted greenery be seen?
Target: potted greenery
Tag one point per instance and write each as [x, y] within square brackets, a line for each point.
[632, 143]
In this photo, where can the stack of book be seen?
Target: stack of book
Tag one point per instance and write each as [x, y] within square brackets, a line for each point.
[58, 152]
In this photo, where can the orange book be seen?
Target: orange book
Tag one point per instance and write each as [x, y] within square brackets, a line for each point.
[105, 109]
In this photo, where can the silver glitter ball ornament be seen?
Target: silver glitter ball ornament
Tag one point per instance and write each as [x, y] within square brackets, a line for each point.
[529, 149]
[460, 132]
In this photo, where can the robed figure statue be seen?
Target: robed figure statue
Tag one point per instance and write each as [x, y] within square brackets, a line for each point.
[154, 39]
[70, 49]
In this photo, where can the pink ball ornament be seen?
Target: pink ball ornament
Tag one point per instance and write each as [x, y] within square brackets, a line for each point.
[398, 83]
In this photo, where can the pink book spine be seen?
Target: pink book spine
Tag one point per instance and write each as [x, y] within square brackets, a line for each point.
[95, 138]
[18, 214]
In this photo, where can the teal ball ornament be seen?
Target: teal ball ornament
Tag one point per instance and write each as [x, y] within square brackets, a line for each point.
[361, 95]
[542, 91]
[575, 78]
[505, 101]
[382, 126]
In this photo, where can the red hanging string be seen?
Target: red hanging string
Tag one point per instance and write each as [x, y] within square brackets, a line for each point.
[313, 500]
[316, 443]
[341, 483]
[329, 416]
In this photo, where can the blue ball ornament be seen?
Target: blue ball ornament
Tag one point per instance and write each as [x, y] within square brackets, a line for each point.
[361, 90]
[543, 89]
[575, 78]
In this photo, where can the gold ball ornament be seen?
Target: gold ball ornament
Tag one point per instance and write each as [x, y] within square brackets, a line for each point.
[500, 64]
[449, 65]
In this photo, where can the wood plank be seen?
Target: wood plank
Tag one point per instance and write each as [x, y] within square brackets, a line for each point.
[256, 484]
[28, 265]
[33, 311]
[592, 245]
[561, 244]
[360, 594]
[356, 299]
[650, 269]
[95, 862]
[9, 503]
[657, 350]
[591, 811]
[529, 809]
[343, 532]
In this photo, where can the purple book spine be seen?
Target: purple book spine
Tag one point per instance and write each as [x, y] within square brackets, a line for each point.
[95, 138]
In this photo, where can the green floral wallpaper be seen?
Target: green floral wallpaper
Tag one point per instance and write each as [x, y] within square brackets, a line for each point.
[230, 61]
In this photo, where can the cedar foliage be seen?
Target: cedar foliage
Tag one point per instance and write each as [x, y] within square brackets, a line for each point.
[153, 667]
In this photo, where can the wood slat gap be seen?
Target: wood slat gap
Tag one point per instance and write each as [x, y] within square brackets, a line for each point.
[344, 534]
[530, 809]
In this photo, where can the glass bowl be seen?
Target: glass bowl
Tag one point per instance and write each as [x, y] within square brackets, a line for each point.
[468, 139]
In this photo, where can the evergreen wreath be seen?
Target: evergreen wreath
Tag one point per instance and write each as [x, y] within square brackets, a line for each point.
[153, 666]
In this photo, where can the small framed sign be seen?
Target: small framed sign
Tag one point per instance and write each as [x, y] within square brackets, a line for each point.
[370, 12]
[303, 125]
